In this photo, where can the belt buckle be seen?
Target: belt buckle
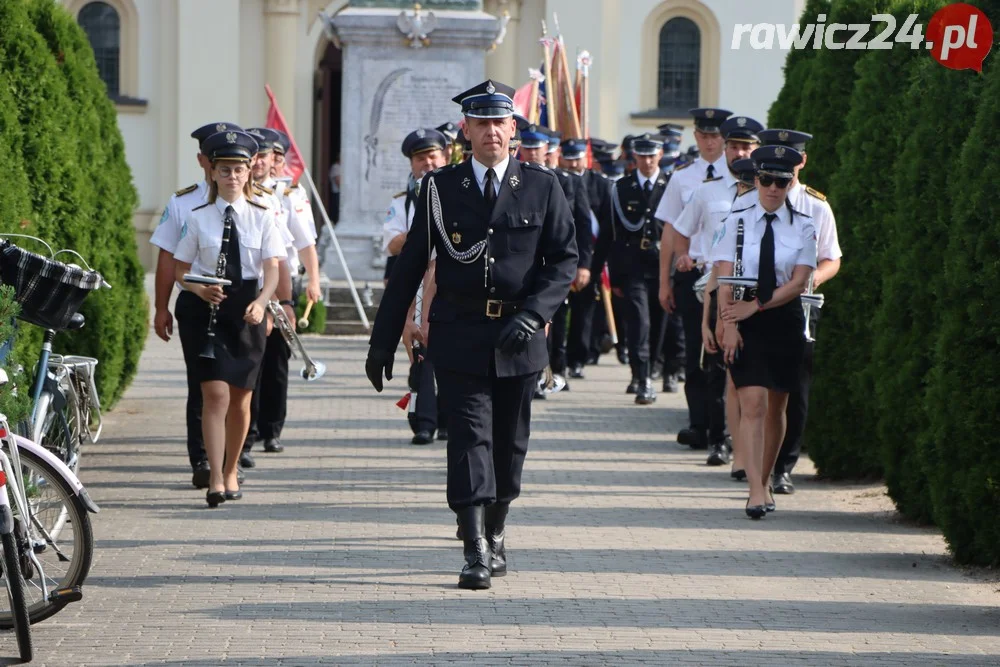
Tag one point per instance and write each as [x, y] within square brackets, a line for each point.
[644, 244]
[494, 308]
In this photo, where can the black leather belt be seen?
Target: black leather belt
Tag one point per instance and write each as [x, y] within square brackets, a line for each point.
[492, 308]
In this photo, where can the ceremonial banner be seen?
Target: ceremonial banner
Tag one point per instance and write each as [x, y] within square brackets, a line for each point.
[294, 166]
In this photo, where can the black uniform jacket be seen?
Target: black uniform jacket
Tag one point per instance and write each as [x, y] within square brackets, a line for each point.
[530, 259]
[630, 255]
[599, 191]
[576, 194]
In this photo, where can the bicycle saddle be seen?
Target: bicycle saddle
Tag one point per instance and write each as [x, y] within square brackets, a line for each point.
[76, 322]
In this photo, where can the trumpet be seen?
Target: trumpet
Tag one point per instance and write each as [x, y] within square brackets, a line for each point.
[313, 370]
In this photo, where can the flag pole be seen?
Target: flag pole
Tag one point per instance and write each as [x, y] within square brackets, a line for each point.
[322, 210]
[551, 94]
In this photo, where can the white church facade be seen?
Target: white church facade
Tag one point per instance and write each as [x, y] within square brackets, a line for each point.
[169, 72]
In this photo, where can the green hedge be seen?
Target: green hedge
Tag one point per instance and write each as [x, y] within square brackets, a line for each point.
[908, 357]
[784, 112]
[964, 383]
[61, 132]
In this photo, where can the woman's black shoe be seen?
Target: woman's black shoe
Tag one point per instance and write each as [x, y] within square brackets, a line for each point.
[738, 475]
[770, 507]
[234, 495]
[215, 498]
[756, 512]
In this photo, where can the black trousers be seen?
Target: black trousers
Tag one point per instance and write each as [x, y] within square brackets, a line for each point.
[427, 414]
[581, 318]
[705, 396]
[488, 427]
[195, 440]
[669, 334]
[269, 405]
[797, 411]
[557, 339]
[636, 315]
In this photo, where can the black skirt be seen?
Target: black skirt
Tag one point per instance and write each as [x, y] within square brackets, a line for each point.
[773, 348]
[239, 346]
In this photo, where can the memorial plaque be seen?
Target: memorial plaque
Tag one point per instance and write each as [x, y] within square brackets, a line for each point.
[402, 99]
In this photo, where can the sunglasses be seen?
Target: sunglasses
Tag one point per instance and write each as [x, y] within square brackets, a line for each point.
[767, 181]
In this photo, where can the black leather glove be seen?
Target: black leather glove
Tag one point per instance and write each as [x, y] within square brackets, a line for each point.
[378, 362]
[517, 332]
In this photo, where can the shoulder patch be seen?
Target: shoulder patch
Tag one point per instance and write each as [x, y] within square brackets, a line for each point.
[683, 166]
[198, 208]
[264, 189]
[186, 191]
[258, 205]
[815, 193]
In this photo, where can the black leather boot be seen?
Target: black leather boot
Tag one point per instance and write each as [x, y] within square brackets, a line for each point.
[496, 519]
[476, 573]
[645, 394]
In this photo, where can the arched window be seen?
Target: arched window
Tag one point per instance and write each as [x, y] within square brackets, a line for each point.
[679, 70]
[102, 24]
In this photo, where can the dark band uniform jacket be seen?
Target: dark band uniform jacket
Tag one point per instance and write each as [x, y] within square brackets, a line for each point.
[528, 260]
[629, 234]
[579, 201]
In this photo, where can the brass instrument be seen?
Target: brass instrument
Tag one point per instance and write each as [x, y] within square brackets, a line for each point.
[313, 370]
[810, 300]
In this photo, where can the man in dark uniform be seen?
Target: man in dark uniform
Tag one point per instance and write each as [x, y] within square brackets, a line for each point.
[583, 299]
[506, 256]
[628, 240]
[576, 194]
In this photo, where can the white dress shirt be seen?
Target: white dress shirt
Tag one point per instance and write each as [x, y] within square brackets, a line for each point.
[201, 238]
[479, 169]
[794, 241]
[168, 231]
[711, 203]
[828, 244]
[683, 183]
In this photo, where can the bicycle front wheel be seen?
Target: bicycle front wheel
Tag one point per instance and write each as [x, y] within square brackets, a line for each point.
[16, 596]
[60, 536]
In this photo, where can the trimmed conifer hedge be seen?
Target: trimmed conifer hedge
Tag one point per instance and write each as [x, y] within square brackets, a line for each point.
[67, 181]
[908, 357]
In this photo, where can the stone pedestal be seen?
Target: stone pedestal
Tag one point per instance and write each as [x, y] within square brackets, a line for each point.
[390, 89]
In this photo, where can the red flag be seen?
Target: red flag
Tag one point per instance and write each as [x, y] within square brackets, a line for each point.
[522, 99]
[294, 164]
[404, 402]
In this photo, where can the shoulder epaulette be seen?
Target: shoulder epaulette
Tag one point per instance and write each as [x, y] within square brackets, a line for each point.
[815, 193]
[538, 167]
[258, 205]
[709, 180]
[683, 166]
[293, 185]
[196, 208]
[447, 167]
[740, 210]
[264, 189]
[399, 194]
[186, 191]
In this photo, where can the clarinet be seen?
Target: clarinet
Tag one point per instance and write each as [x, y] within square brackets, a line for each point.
[208, 352]
[738, 263]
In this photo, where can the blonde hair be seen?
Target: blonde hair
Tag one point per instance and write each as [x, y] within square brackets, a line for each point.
[213, 187]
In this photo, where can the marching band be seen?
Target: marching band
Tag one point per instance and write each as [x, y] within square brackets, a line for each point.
[515, 258]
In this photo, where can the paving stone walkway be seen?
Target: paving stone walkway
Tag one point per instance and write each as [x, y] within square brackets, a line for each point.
[624, 549]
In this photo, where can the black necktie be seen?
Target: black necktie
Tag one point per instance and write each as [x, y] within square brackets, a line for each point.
[711, 171]
[489, 192]
[234, 269]
[649, 188]
[766, 278]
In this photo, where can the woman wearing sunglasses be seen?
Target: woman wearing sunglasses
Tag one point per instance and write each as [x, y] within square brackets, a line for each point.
[222, 329]
[763, 337]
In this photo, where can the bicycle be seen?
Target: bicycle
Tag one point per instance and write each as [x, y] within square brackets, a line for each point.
[64, 395]
[55, 543]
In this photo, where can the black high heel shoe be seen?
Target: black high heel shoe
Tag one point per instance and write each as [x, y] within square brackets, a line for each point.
[756, 512]
[738, 475]
[234, 495]
[770, 507]
[215, 498]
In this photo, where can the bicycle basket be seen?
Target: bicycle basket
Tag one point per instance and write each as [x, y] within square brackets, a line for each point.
[49, 292]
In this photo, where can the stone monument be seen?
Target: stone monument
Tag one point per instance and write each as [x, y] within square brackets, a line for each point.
[402, 66]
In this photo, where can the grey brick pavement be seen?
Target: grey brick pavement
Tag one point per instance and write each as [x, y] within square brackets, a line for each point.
[624, 549]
